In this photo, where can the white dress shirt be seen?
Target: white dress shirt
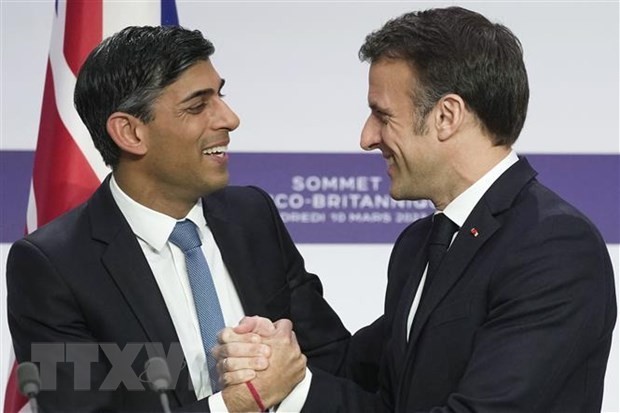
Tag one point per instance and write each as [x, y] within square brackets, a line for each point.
[458, 210]
[167, 263]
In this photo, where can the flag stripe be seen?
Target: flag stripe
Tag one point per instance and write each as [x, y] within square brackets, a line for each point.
[119, 14]
[83, 30]
[31, 210]
[67, 167]
[65, 78]
[13, 399]
[62, 177]
[169, 16]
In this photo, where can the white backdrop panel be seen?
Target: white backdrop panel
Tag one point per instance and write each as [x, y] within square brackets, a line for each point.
[294, 78]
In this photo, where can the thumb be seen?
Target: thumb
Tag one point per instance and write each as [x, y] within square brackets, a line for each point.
[246, 325]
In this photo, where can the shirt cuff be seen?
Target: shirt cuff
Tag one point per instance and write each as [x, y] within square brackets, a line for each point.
[216, 403]
[291, 403]
[297, 397]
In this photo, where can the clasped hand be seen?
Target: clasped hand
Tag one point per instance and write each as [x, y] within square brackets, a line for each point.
[266, 353]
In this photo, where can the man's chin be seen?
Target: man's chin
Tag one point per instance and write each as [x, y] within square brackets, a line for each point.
[215, 186]
[396, 194]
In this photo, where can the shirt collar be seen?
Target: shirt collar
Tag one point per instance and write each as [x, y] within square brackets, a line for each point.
[151, 226]
[459, 209]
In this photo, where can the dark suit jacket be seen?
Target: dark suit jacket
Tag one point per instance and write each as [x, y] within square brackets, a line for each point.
[84, 279]
[517, 319]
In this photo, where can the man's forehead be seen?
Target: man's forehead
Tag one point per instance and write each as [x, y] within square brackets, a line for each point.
[200, 75]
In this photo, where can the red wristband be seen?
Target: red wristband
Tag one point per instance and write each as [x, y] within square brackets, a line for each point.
[256, 396]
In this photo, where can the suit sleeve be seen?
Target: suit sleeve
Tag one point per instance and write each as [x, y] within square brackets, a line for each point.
[43, 316]
[551, 312]
[48, 328]
[345, 369]
[321, 335]
[550, 315]
[359, 388]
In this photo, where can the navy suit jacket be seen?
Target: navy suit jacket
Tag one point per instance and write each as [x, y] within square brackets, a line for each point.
[518, 318]
[84, 279]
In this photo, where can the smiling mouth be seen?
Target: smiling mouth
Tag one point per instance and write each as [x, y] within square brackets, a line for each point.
[215, 151]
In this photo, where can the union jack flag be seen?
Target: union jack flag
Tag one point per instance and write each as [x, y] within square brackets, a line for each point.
[67, 167]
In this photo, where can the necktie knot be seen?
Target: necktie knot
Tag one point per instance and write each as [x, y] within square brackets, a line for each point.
[441, 235]
[185, 235]
[442, 231]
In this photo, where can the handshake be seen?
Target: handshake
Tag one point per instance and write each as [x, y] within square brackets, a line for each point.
[259, 363]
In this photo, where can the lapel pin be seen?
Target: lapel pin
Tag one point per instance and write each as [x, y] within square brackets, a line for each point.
[474, 232]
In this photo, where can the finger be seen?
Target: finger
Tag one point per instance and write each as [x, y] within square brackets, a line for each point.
[241, 350]
[283, 326]
[264, 327]
[259, 325]
[295, 345]
[230, 364]
[283, 332]
[224, 335]
[228, 335]
[246, 325]
[236, 377]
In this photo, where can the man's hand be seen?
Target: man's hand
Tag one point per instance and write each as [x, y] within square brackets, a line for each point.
[241, 353]
[287, 365]
[256, 324]
[265, 352]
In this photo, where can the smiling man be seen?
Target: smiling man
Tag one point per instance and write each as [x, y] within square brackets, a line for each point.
[503, 301]
[164, 255]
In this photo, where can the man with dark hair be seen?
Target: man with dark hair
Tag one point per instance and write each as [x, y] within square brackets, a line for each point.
[503, 301]
[164, 255]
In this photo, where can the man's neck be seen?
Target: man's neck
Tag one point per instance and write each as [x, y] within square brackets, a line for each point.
[144, 192]
[467, 167]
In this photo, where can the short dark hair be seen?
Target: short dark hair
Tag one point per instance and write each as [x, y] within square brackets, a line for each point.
[454, 50]
[128, 71]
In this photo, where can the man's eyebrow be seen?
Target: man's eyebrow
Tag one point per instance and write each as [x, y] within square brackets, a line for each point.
[376, 108]
[205, 92]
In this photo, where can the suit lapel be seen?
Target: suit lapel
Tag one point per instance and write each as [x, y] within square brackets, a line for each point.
[236, 252]
[484, 219]
[127, 266]
[463, 249]
[414, 270]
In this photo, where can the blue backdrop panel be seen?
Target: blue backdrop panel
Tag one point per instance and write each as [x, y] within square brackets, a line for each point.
[343, 198]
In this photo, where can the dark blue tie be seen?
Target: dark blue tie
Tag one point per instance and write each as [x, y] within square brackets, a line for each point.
[441, 236]
[185, 236]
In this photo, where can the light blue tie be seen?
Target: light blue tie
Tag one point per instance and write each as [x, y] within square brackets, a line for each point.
[185, 236]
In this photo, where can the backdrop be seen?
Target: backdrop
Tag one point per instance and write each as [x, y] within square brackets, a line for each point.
[294, 79]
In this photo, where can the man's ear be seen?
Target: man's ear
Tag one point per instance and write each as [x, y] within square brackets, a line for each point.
[127, 132]
[449, 116]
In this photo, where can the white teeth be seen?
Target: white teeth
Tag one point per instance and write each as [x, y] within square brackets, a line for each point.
[215, 150]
